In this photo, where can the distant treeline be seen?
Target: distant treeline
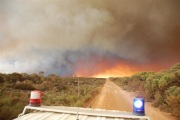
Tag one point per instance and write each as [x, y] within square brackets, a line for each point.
[162, 88]
[15, 91]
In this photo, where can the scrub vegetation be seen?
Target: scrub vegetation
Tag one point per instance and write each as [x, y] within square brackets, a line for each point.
[161, 88]
[15, 91]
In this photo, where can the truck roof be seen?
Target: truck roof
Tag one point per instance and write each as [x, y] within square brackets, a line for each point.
[74, 113]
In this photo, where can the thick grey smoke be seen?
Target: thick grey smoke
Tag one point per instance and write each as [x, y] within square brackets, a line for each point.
[66, 36]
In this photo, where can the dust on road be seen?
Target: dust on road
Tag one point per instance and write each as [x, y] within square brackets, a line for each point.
[112, 97]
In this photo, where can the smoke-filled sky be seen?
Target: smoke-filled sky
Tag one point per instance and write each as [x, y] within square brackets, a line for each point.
[89, 37]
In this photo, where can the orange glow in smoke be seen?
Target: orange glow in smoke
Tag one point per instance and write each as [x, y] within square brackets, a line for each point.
[118, 71]
[105, 68]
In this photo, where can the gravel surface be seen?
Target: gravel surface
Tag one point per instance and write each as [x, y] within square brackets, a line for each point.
[112, 97]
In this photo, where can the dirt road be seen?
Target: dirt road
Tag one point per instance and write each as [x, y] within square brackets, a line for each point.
[113, 97]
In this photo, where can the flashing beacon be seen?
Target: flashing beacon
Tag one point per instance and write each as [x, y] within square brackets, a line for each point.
[35, 98]
[138, 106]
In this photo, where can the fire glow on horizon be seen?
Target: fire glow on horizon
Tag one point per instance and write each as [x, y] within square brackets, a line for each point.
[119, 70]
[113, 72]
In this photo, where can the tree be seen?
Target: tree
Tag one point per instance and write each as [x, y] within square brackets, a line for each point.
[41, 73]
[35, 78]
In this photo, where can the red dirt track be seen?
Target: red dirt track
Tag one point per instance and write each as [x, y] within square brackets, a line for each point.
[112, 97]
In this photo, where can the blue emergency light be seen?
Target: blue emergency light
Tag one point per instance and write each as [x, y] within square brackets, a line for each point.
[138, 106]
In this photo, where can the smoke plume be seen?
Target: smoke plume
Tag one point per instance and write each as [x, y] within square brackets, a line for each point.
[87, 37]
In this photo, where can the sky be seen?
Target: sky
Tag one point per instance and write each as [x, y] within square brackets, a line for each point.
[89, 37]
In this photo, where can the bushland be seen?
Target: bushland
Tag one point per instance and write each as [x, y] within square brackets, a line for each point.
[161, 88]
[15, 91]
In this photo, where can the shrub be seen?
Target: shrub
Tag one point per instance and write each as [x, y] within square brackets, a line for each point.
[164, 82]
[158, 99]
[174, 104]
[24, 86]
[176, 67]
[1, 79]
